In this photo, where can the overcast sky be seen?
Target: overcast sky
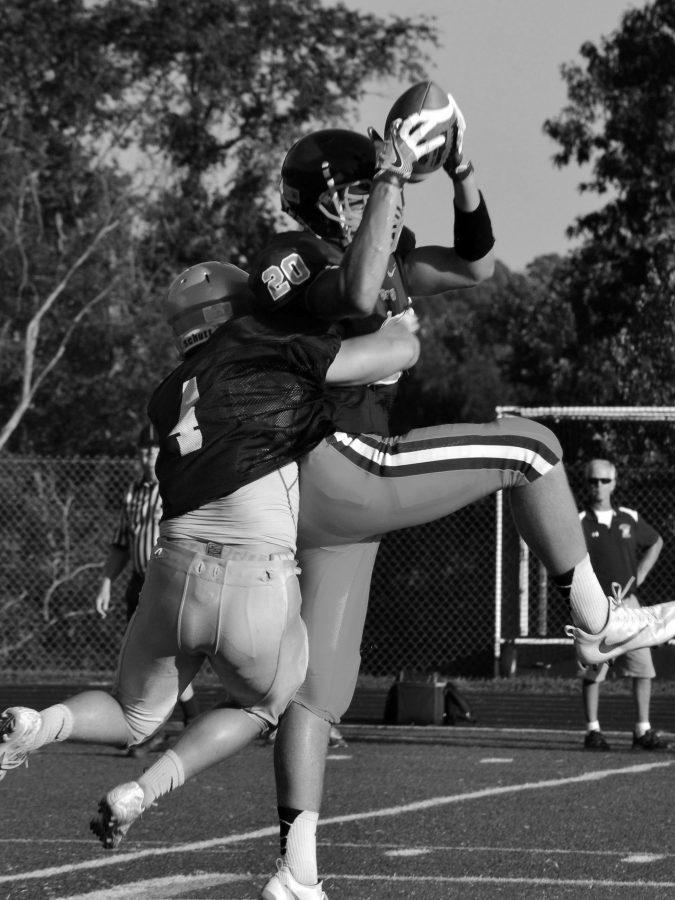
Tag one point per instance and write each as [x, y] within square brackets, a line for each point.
[501, 61]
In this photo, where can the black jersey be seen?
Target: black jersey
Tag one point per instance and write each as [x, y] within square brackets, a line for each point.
[246, 402]
[280, 278]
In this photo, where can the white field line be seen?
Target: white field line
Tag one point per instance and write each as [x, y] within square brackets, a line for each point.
[386, 812]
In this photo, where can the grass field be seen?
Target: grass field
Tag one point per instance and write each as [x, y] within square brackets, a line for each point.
[409, 813]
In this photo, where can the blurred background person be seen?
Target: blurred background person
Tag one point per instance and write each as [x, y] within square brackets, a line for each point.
[136, 534]
[623, 548]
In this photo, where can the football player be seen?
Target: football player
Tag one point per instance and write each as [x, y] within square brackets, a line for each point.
[361, 481]
[221, 584]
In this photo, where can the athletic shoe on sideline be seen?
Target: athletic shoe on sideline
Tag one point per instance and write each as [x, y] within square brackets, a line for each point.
[650, 740]
[626, 629]
[283, 886]
[595, 740]
[19, 726]
[117, 812]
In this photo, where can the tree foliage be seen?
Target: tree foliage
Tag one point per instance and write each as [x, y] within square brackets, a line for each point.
[138, 137]
[620, 283]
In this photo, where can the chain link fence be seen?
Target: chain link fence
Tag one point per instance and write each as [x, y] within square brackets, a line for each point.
[432, 595]
[641, 443]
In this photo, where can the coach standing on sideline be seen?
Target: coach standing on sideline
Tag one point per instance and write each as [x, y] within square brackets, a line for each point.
[623, 548]
[136, 535]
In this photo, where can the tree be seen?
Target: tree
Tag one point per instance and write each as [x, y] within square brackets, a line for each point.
[620, 283]
[137, 138]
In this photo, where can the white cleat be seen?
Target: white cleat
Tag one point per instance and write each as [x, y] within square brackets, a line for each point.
[283, 886]
[117, 812]
[626, 629]
[19, 726]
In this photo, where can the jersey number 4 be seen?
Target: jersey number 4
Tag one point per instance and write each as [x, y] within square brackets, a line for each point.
[187, 431]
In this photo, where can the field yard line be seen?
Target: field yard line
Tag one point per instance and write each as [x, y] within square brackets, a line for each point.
[431, 803]
[175, 885]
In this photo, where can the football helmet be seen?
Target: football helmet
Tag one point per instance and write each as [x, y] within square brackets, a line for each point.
[326, 178]
[201, 298]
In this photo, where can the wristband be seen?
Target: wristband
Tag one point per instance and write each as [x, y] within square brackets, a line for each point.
[458, 175]
[473, 232]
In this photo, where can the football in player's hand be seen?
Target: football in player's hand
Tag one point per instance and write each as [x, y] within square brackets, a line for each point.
[437, 117]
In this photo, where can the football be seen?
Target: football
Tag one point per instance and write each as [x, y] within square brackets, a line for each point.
[426, 96]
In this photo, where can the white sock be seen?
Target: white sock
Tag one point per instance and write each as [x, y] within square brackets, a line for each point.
[592, 726]
[642, 728]
[301, 848]
[56, 725]
[588, 603]
[165, 775]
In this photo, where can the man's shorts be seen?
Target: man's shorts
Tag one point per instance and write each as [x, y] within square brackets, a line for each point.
[634, 664]
[236, 608]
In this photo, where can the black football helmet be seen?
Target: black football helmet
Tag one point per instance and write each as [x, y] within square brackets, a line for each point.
[325, 181]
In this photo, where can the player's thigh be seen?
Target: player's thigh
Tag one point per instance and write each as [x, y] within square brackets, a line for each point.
[356, 486]
[152, 670]
[259, 641]
[335, 585]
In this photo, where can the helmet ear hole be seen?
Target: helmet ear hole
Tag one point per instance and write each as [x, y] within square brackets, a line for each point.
[200, 299]
[346, 156]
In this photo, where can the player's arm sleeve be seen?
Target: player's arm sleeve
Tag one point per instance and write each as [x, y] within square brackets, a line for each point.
[433, 269]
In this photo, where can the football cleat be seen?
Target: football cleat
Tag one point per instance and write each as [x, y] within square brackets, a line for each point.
[335, 740]
[19, 726]
[626, 629]
[117, 812]
[283, 886]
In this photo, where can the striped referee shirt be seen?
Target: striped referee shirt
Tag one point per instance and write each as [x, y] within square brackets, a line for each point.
[138, 524]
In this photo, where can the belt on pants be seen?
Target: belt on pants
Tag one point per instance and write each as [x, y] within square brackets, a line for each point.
[225, 551]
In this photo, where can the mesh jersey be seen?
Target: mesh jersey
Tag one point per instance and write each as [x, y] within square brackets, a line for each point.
[244, 403]
[280, 278]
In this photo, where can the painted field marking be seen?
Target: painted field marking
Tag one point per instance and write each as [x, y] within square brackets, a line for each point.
[164, 888]
[496, 759]
[386, 812]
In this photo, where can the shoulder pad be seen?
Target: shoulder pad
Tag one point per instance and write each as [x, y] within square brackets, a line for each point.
[288, 265]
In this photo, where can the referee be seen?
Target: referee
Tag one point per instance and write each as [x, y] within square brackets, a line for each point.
[136, 534]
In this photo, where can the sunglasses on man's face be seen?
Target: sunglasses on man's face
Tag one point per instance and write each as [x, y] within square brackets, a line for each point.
[599, 480]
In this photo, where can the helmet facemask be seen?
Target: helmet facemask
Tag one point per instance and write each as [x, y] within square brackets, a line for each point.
[344, 204]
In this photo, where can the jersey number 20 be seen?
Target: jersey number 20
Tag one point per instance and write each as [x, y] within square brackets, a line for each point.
[291, 270]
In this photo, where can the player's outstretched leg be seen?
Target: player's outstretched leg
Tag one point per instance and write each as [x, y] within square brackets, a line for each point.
[19, 728]
[117, 812]
[283, 886]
